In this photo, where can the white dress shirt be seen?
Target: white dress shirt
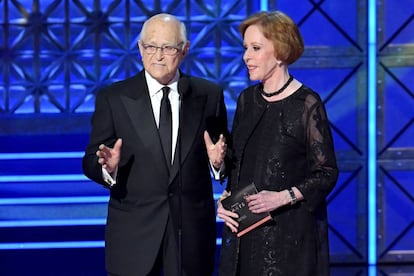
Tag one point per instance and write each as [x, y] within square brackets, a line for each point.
[155, 94]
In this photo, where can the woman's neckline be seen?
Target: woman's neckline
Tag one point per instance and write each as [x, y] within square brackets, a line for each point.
[297, 87]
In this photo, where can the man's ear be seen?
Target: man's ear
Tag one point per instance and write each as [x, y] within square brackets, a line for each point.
[186, 48]
[139, 47]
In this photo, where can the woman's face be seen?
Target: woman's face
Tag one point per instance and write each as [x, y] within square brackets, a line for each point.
[259, 54]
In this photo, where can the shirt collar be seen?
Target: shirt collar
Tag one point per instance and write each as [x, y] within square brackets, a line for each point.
[154, 86]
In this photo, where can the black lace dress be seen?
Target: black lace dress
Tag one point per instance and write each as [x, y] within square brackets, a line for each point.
[278, 145]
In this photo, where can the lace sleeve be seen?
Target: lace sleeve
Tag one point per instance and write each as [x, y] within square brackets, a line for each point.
[321, 162]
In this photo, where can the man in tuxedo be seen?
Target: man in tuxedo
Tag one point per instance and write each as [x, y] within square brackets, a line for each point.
[161, 211]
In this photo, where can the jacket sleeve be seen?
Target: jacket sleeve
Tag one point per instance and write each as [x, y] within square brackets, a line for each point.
[103, 132]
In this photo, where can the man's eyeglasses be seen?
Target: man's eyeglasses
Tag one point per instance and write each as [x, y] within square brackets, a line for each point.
[166, 50]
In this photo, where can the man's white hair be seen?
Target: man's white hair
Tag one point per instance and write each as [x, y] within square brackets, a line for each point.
[166, 17]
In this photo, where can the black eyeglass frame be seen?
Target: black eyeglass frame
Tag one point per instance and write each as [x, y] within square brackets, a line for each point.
[168, 50]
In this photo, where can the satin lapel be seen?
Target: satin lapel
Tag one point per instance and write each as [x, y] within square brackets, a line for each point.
[192, 113]
[140, 112]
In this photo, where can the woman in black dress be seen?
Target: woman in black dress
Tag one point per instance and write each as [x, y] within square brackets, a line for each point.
[282, 142]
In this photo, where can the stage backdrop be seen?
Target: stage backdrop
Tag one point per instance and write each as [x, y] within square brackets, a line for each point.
[55, 55]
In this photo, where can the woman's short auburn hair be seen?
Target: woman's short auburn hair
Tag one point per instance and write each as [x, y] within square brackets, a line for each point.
[281, 30]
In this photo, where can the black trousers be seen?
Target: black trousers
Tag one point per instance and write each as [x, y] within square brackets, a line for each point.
[166, 263]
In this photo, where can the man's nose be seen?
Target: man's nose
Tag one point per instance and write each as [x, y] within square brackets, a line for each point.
[159, 52]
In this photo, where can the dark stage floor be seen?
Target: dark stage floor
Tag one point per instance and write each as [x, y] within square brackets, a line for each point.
[89, 262]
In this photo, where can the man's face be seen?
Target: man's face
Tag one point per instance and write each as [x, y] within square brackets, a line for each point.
[161, 65]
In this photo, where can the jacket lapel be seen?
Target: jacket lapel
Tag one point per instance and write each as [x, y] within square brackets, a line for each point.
[191, 115]
[138, 106]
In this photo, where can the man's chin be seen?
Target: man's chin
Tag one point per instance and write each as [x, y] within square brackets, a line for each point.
[161, 77]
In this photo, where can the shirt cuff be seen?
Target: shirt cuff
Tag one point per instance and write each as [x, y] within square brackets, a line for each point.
[217, 173]
[111, 181]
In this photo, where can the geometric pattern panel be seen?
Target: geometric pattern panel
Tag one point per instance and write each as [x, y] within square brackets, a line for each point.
[346, 221]
[395, 132]
[396, 235]
[397, 107]
[55, 55]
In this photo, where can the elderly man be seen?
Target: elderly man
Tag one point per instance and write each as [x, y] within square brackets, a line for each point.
[155, 137]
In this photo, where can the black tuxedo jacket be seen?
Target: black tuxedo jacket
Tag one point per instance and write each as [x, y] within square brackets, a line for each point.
[147, 192]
